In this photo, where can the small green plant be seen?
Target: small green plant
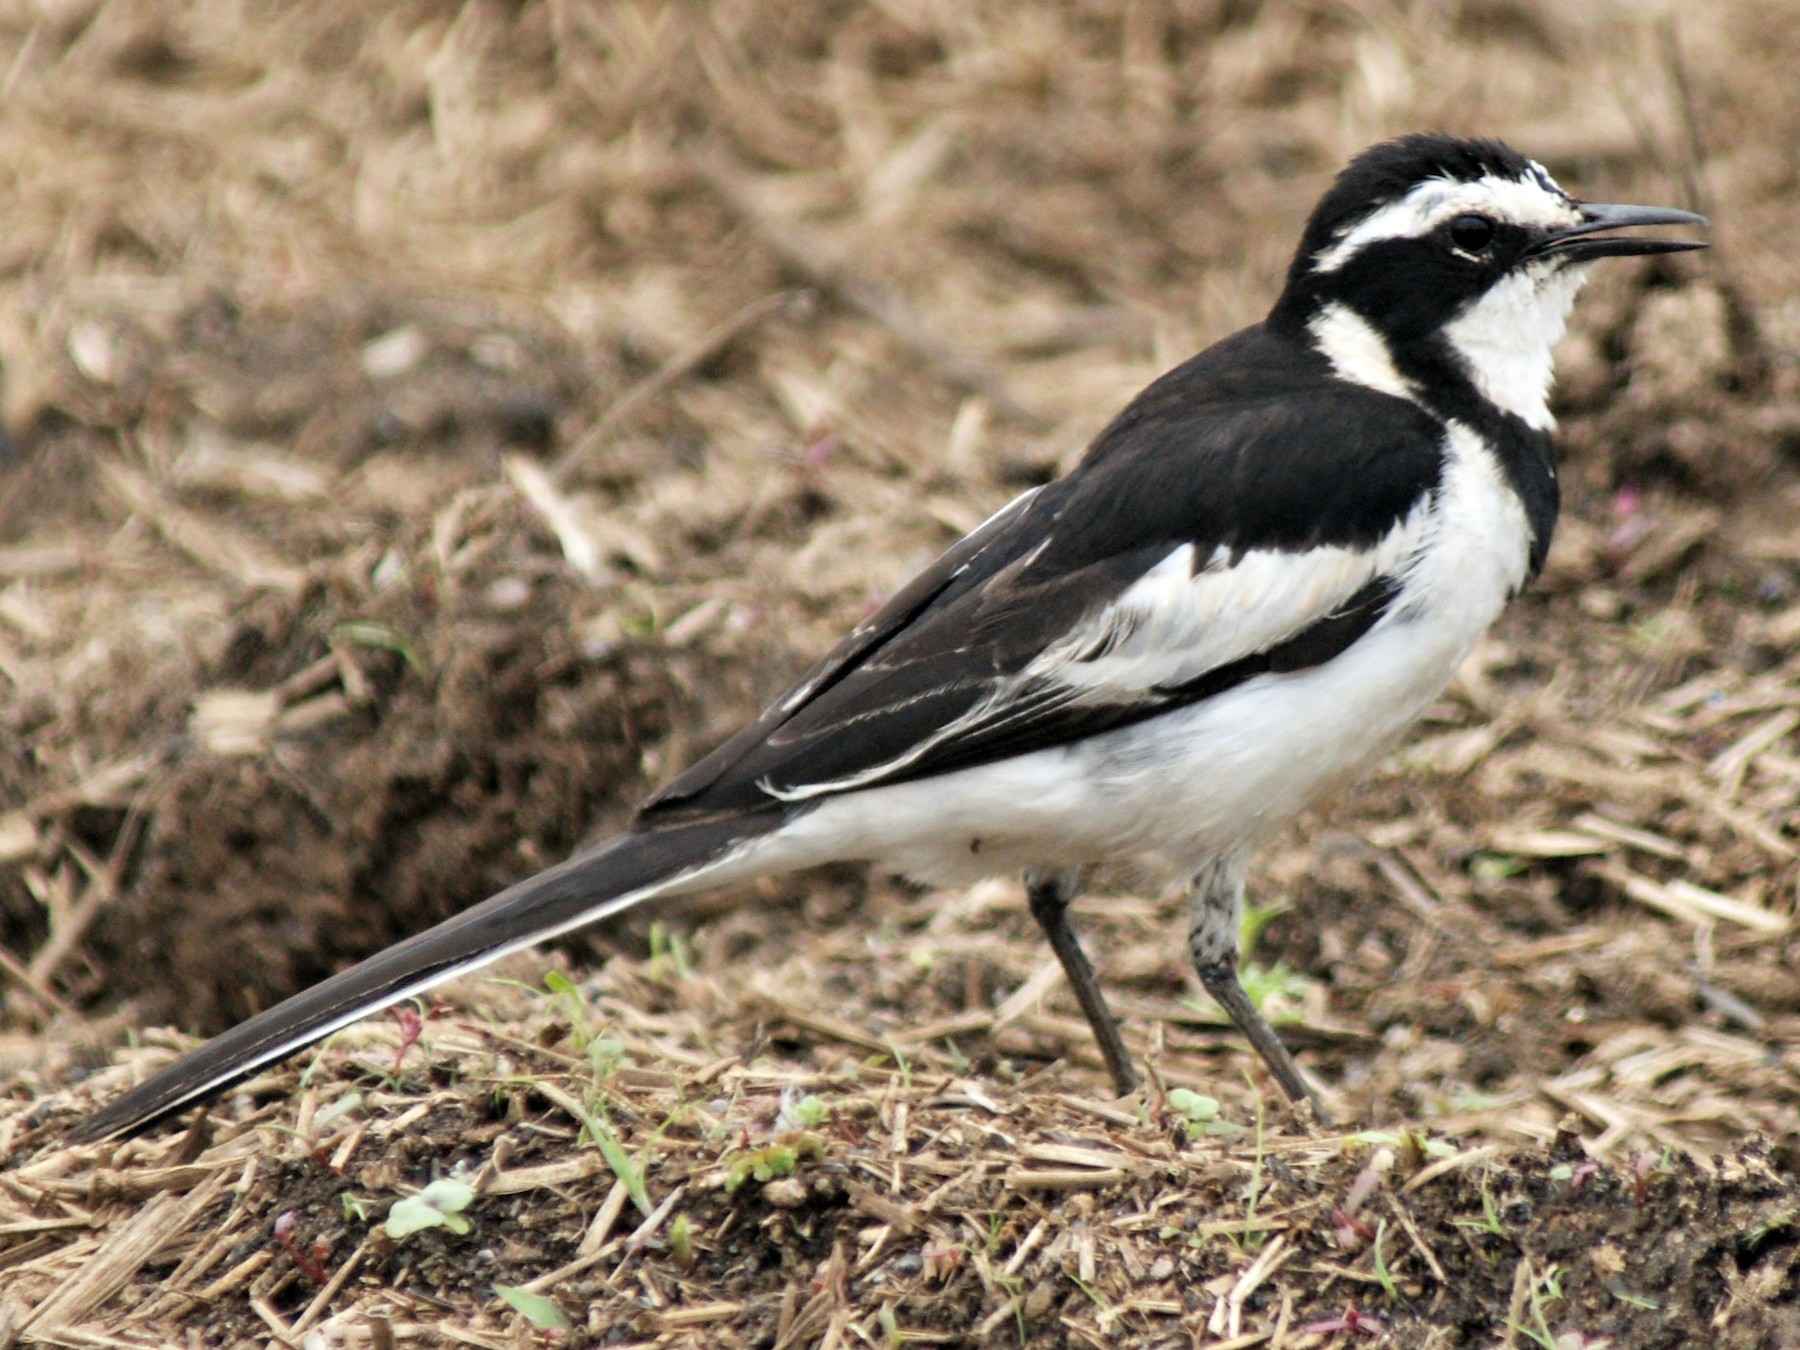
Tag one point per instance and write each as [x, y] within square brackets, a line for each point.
[1256, 919]
[1475, 1101]
[334, 1111]
[1195, 1107]
[572, 1004]
[604, 1055]
[959, 1062]
[1652, 632]
[541, 1312]
[1098, 1299]
[901, 1062]
[996, 1231]
[1409, 1141]
[1264, 984]
[1495, 866]
[439, 1205]
[1200, 1113]
[668, 950]
[1489, 1222]
[780, 1159]
[1543, 1289]
[623, 1165]
[1254, 1237]
[805, 1113]
[381, 636]
[639, 626]
[1381, 1270]
[681, 1239]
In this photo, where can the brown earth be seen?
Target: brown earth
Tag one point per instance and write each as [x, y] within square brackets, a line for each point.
[429, 428]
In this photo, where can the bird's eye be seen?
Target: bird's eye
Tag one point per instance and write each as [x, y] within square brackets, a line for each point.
[1471, 233]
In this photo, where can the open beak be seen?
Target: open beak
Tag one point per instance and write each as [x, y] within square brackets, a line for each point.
[1587, 240]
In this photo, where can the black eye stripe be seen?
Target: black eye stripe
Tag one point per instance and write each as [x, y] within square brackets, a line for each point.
[1471, 233]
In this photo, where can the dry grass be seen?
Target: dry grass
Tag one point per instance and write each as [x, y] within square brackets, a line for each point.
[432, 426]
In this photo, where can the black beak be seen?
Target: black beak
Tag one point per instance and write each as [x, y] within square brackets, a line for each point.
[1583, 242]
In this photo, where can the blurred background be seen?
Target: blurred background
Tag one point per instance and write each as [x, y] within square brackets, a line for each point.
[429, 426]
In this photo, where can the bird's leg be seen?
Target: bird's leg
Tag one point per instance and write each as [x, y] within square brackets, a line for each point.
[1050, 894]
[1215, 901]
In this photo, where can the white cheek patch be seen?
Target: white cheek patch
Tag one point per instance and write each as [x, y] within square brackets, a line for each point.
[1433, 202]
[1507, 338]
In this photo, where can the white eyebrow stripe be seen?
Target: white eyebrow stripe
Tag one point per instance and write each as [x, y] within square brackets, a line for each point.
[1436, 200]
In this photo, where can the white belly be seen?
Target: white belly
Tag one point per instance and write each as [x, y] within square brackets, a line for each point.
[1188, 785]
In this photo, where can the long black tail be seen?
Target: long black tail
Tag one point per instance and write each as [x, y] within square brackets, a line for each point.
[631, 868]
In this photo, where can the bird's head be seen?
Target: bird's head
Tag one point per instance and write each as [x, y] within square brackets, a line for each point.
[1432, 247]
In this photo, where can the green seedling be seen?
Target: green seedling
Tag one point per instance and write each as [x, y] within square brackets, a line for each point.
[604, 1055]
[1489, 1222]
[1409, 1141]
[639, 626]
[1256, 920]
[780, 1159]
[439, 1205]
[1254, 1237]
[1381, 1270]
[1198, 1109]
[1469, 1102]
[1263, 985]
[332, 1112]
[381, 636]
[807, 1113]
[572, 1004]
[668, 950]
[1200, 1113]
[901, 1061]
[623, 1165]
[996, 1224]
[1098, 1299]
[681, 1239]
[1495, 866]
[1545, 1288]
[541, 1312]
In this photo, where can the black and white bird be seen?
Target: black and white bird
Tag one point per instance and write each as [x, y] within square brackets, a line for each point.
[1258, 576]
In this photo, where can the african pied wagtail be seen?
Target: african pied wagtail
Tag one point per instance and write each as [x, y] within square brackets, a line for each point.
[1258, 576]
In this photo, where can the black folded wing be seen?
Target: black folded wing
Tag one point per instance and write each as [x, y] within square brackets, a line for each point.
[1246, 514]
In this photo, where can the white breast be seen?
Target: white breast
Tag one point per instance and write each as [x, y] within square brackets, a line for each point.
[1188, 785]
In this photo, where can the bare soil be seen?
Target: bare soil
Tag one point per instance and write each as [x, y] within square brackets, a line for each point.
[427, 429]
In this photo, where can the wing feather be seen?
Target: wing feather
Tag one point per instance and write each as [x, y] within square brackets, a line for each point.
[1222, 528]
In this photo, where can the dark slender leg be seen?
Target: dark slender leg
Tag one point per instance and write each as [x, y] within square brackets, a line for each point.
[1050, 894]
[1214, 900]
